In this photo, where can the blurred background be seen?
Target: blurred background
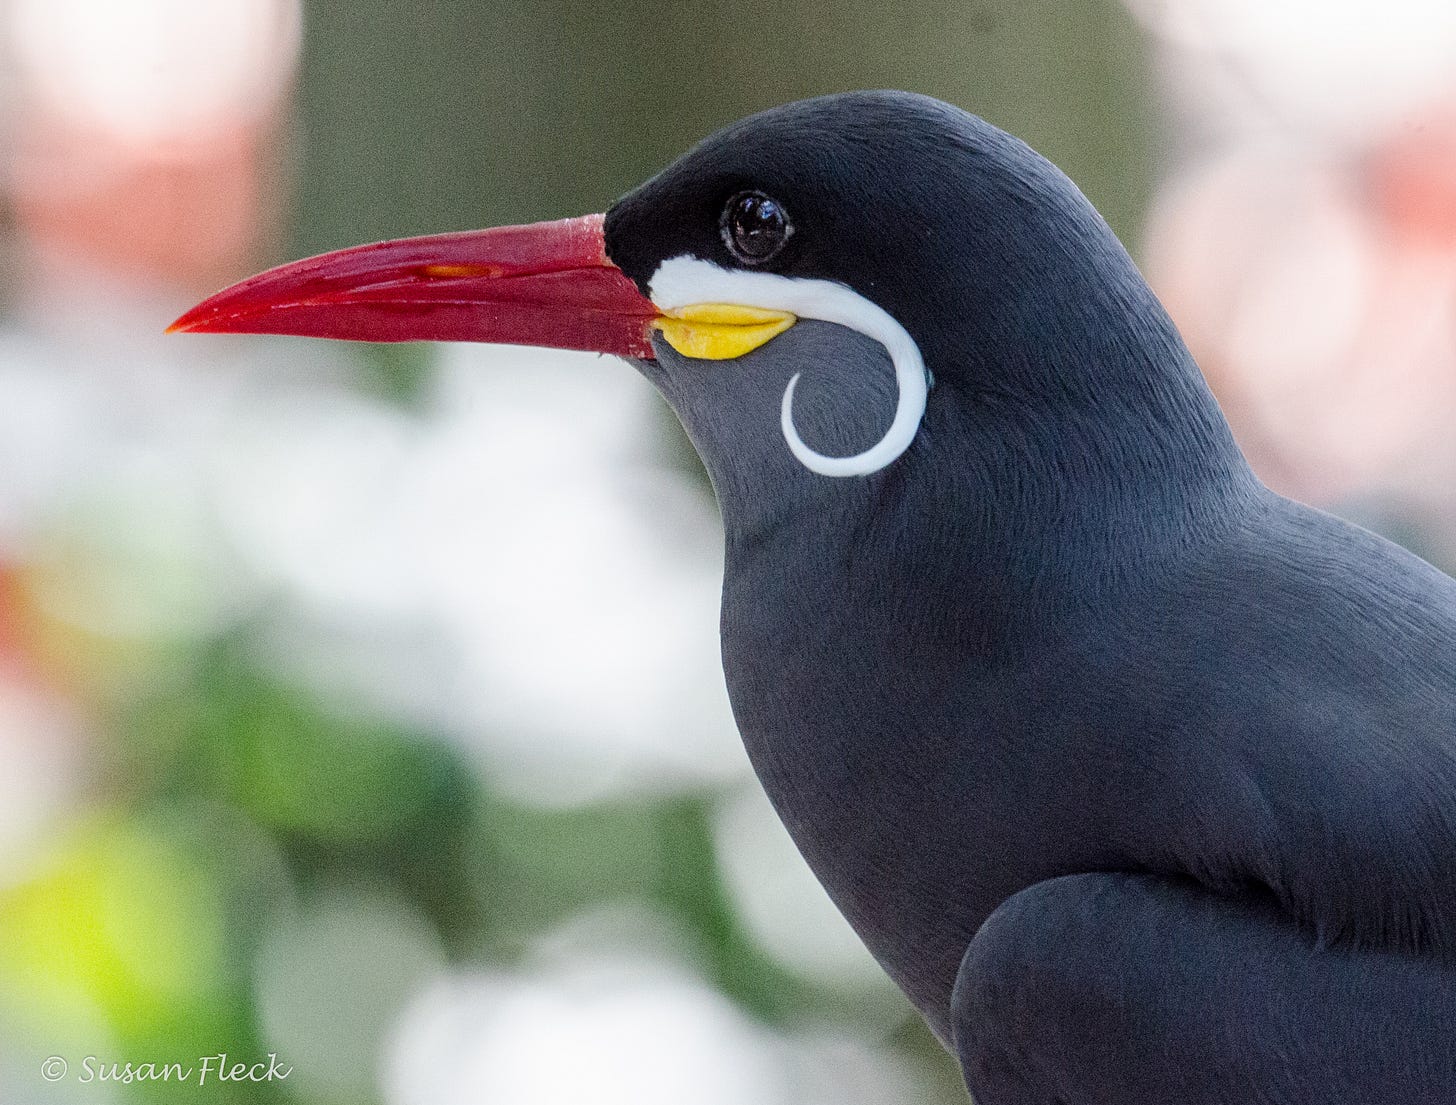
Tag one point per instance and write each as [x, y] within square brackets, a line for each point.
[361, 705]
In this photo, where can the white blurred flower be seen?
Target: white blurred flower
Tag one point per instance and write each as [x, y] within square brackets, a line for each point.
[833, 1068]
[515, 564]
[578, 575]
[623, 932]
[48, 421]
[105, 494]
[310, 483]
[333, 978]
[610, 1024]
[791, 916]
[1339, 69]
[594, 1032]
[43, 777]
[150, 70]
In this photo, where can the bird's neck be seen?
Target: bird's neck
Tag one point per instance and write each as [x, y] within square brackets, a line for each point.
[866, 622]
[1006, 514]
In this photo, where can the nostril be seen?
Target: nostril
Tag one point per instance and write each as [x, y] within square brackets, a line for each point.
[461, 272]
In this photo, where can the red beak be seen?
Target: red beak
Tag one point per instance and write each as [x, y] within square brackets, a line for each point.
[544, 284]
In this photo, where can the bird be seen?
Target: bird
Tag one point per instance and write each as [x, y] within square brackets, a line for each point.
[1137, 778]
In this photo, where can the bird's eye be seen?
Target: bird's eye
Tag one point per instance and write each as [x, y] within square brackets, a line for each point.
[754, 227]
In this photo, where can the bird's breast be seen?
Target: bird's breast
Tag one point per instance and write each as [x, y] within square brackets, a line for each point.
[906, 779]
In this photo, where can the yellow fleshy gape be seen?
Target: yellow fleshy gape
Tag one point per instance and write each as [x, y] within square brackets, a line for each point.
[721, 331]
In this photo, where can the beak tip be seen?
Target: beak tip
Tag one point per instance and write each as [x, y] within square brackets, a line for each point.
[187, 322]
[206, 318]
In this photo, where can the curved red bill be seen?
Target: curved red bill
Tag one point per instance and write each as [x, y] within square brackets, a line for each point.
[544, 284]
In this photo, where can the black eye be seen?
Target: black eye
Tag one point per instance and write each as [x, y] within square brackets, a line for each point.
[754, 227]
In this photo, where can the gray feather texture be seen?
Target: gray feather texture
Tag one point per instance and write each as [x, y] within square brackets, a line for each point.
[1139, 779]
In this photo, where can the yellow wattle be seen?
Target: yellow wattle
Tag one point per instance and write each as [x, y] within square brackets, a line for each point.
[721, 331]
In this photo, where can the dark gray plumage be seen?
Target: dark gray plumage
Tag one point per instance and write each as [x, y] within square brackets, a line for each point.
[1139, 779]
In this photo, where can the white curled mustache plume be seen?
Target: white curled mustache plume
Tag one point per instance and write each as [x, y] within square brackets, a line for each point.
[681, 281]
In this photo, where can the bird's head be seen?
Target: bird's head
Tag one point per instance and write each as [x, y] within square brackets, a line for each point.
[800, 286]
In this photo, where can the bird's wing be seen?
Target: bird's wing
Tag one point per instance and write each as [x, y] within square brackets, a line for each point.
[1303, 685]
[1139, 989]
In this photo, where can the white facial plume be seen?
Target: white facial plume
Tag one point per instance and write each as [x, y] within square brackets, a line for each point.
[683, 281]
